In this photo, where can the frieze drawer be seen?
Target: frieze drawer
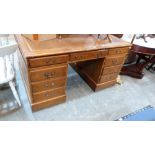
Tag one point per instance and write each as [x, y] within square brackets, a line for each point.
[83, 56]
[45, 61]
[118, 51]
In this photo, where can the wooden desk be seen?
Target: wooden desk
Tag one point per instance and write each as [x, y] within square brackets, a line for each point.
[44, 65]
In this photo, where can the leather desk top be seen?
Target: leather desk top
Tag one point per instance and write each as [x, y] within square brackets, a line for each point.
[71, 44]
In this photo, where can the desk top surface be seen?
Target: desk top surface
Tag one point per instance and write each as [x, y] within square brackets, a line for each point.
[70, 44]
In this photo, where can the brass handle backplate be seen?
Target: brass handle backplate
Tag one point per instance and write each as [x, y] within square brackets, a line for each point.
[50, 61]
[49, 74]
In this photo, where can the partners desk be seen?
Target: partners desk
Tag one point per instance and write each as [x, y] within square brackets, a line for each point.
[44, 65]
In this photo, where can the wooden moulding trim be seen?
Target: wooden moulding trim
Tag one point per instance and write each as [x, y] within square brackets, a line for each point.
[105, 85]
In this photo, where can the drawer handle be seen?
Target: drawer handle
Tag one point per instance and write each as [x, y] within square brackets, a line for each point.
[50, 61]
[48, 94]
[47, 85]
[79, 57]
[49, 75]
[52, 83]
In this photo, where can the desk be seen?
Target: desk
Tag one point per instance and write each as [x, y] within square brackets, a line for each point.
[44, 65]
[145, 51]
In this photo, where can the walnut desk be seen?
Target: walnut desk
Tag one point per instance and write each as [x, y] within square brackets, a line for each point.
[44, 65]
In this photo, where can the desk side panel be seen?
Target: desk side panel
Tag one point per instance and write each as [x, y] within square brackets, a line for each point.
[25, 75]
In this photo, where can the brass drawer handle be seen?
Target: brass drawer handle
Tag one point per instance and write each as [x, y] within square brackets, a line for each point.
[48, 94]
[76, 56]
[47, 85]
[79, 57]
[49, 75]
[50, 61]
[117, 51]
[52, 83]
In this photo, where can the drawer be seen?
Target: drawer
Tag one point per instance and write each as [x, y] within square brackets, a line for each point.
[111, 70]
[44, 61]
[47, 103]
[83, 56]
[109, 77]
[48, 84]
[118, 51]
[48, 73]
[113, 61]
[48, 94]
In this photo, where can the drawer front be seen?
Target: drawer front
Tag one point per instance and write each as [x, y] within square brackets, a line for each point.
[118, 51]
[47, 103]
[44, 61]
[111, 70]
[48, 84]
[113, 61]
[48, 94]
[109, 77]
[49, 73]
[83, 56]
